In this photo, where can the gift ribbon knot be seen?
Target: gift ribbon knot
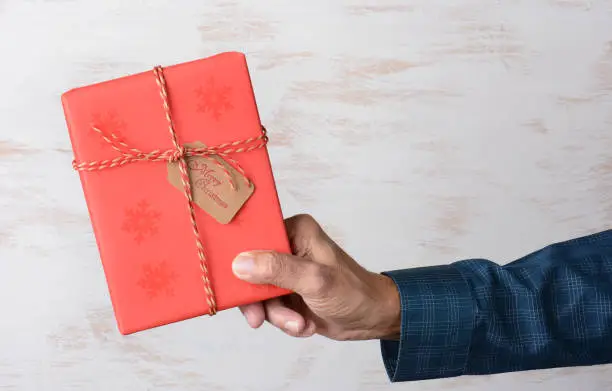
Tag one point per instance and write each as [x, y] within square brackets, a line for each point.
[178, 154]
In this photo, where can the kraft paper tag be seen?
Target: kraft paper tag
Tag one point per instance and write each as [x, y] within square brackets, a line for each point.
[211, 188]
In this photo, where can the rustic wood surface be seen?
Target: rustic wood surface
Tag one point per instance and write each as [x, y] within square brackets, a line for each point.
[418, 132]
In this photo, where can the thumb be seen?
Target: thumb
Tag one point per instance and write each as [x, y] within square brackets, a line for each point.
[282, 270]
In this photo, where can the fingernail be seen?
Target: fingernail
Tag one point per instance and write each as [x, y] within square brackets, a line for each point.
[292, 326]
[243, 265]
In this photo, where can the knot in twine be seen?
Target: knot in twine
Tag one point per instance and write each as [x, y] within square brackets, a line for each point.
[178, 154]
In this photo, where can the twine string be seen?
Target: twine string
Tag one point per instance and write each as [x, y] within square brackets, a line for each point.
[179, 155]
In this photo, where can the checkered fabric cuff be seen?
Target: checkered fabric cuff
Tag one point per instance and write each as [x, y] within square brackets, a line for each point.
[437, 320]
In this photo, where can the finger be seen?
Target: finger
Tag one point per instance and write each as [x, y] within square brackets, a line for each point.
[286, 319]
[309, 240]
[302, 223]
[310, 329]
[283, 270]
[296, 303]
[254, 314]
[302, 231]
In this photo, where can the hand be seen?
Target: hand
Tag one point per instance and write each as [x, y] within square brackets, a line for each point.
[334, 296]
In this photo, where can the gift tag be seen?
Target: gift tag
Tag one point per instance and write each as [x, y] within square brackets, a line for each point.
[210, 186]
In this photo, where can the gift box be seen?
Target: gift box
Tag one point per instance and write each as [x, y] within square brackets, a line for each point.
[177, 180]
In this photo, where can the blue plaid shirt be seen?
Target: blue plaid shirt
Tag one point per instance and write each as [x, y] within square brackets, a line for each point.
[551, 308]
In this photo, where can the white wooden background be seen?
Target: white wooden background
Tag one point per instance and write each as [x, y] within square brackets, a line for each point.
[417, 131]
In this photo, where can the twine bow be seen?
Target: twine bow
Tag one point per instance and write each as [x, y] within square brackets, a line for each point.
[178, 154]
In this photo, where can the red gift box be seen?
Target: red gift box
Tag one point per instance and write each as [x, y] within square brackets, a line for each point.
[155, 147]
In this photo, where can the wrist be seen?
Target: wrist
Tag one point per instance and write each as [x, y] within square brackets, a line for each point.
[389, 317]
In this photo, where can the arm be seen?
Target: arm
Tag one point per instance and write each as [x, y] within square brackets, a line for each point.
[551, 308]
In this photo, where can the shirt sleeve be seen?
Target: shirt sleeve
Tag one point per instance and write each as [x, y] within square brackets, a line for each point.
[551, 308]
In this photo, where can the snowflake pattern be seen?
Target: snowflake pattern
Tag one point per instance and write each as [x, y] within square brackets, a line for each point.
[109, 122]
[157, 279]
[141, 221]
[214, 98]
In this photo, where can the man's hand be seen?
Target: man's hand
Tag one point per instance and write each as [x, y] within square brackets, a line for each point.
[334, 296]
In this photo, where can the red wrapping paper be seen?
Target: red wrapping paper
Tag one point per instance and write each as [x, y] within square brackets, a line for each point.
[141, 222]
